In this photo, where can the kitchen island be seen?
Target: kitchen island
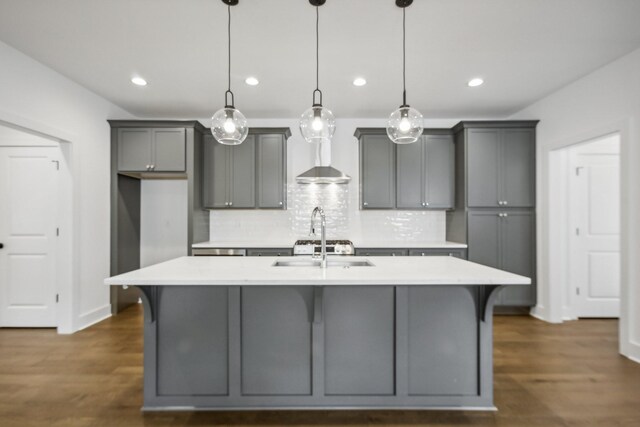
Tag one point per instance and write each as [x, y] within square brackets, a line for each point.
[226, 333]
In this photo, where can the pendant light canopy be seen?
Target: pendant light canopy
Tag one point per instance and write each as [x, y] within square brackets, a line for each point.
[404, 125]
[229, 125]
[317, 124]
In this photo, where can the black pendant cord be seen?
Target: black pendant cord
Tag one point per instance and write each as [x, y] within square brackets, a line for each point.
[404, 58]
[317, 61]
[228, 92]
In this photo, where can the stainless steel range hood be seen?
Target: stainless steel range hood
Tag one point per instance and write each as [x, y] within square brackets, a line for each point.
[323, 172]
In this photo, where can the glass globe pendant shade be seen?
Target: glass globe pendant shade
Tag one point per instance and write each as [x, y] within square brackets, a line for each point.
[404, 125]
[229, 126]
[317, 124]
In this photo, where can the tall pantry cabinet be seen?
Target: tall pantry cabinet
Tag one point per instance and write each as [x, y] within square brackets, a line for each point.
[495, 200]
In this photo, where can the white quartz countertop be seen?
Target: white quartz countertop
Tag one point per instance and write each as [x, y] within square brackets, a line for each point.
[358, 244]
[222, 271]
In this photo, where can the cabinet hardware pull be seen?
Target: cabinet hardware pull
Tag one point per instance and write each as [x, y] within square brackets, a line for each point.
[366, 204]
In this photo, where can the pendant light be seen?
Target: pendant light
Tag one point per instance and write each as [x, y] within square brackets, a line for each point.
[404, 125]
[228, 125]
[317, 124]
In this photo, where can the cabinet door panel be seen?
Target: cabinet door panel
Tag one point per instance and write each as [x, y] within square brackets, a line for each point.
[518, 167]
[359, 340]
[409, 175]
[242, 185]
[517, 256]
[216, 173]
[484, 238]
[439, 171]
[134, 149]
[192, 339]
[169, 150]
[276, 340]
[483, 167]
[377, 172]
[270, 252]
[443, 341]
[271, 171]
[455, 252]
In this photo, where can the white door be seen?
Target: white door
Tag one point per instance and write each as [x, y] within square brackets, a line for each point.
[595, 214]
[28, 213]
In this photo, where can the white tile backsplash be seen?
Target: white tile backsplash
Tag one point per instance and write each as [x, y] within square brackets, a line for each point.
[344, 219]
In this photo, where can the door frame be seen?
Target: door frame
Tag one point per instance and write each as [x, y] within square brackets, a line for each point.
[66, 283]
[554, 300]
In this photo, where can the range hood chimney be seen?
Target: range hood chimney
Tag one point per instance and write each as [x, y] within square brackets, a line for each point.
[323, 172]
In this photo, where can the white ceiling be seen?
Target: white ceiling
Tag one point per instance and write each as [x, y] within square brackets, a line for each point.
[524, 49]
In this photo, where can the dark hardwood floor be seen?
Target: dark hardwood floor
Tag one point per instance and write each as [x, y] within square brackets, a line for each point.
[545, 375]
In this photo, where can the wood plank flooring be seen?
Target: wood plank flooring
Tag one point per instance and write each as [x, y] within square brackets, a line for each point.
[545, 375]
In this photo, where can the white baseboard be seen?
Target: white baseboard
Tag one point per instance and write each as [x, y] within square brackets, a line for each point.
[93, 317]
[632, 351]
[539, 313]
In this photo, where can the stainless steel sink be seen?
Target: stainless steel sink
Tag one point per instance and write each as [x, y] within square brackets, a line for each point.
[316, 263]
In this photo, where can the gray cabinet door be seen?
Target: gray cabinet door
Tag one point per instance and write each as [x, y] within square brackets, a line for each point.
[443, 337]
[272, 173]
[359, 335]
[439, 171]
[483, 176]
[192, 360]
[484, 238]
[216, 173]
[242, 182]
[517, 256]
[169, 150]
[276, 340]
[134, 149]
[410, 175]
[377, 172]
[518, 167]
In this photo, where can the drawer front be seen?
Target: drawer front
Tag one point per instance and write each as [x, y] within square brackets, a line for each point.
[458, 253]
[381, 252]
[270, 252]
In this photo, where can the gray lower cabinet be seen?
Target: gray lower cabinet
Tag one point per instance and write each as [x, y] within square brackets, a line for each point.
[276, 340]
[249, 175]
[270, 252]
[425, 173]
[377, 172]
[151, 150]
[318, 347]
[502, 239]
[500, 167]
[454, 252]
[381, 252]
[192, 361]
[359, 340]
[446, 316]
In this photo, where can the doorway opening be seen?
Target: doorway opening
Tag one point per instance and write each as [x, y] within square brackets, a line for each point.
[34, 190]
[591, 218]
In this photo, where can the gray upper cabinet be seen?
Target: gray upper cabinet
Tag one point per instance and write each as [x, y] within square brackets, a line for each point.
[151, 149]
[500, 167]
[412, 176]
[272, 178]
[377, 172]
[249, 175]
[425, 173]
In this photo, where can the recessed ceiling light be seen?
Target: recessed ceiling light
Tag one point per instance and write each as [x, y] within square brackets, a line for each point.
[359, 81]
[139, 81]
[475, 82]
[252, 81]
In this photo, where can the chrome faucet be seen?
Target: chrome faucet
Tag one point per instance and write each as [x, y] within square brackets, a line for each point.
[323, 235]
